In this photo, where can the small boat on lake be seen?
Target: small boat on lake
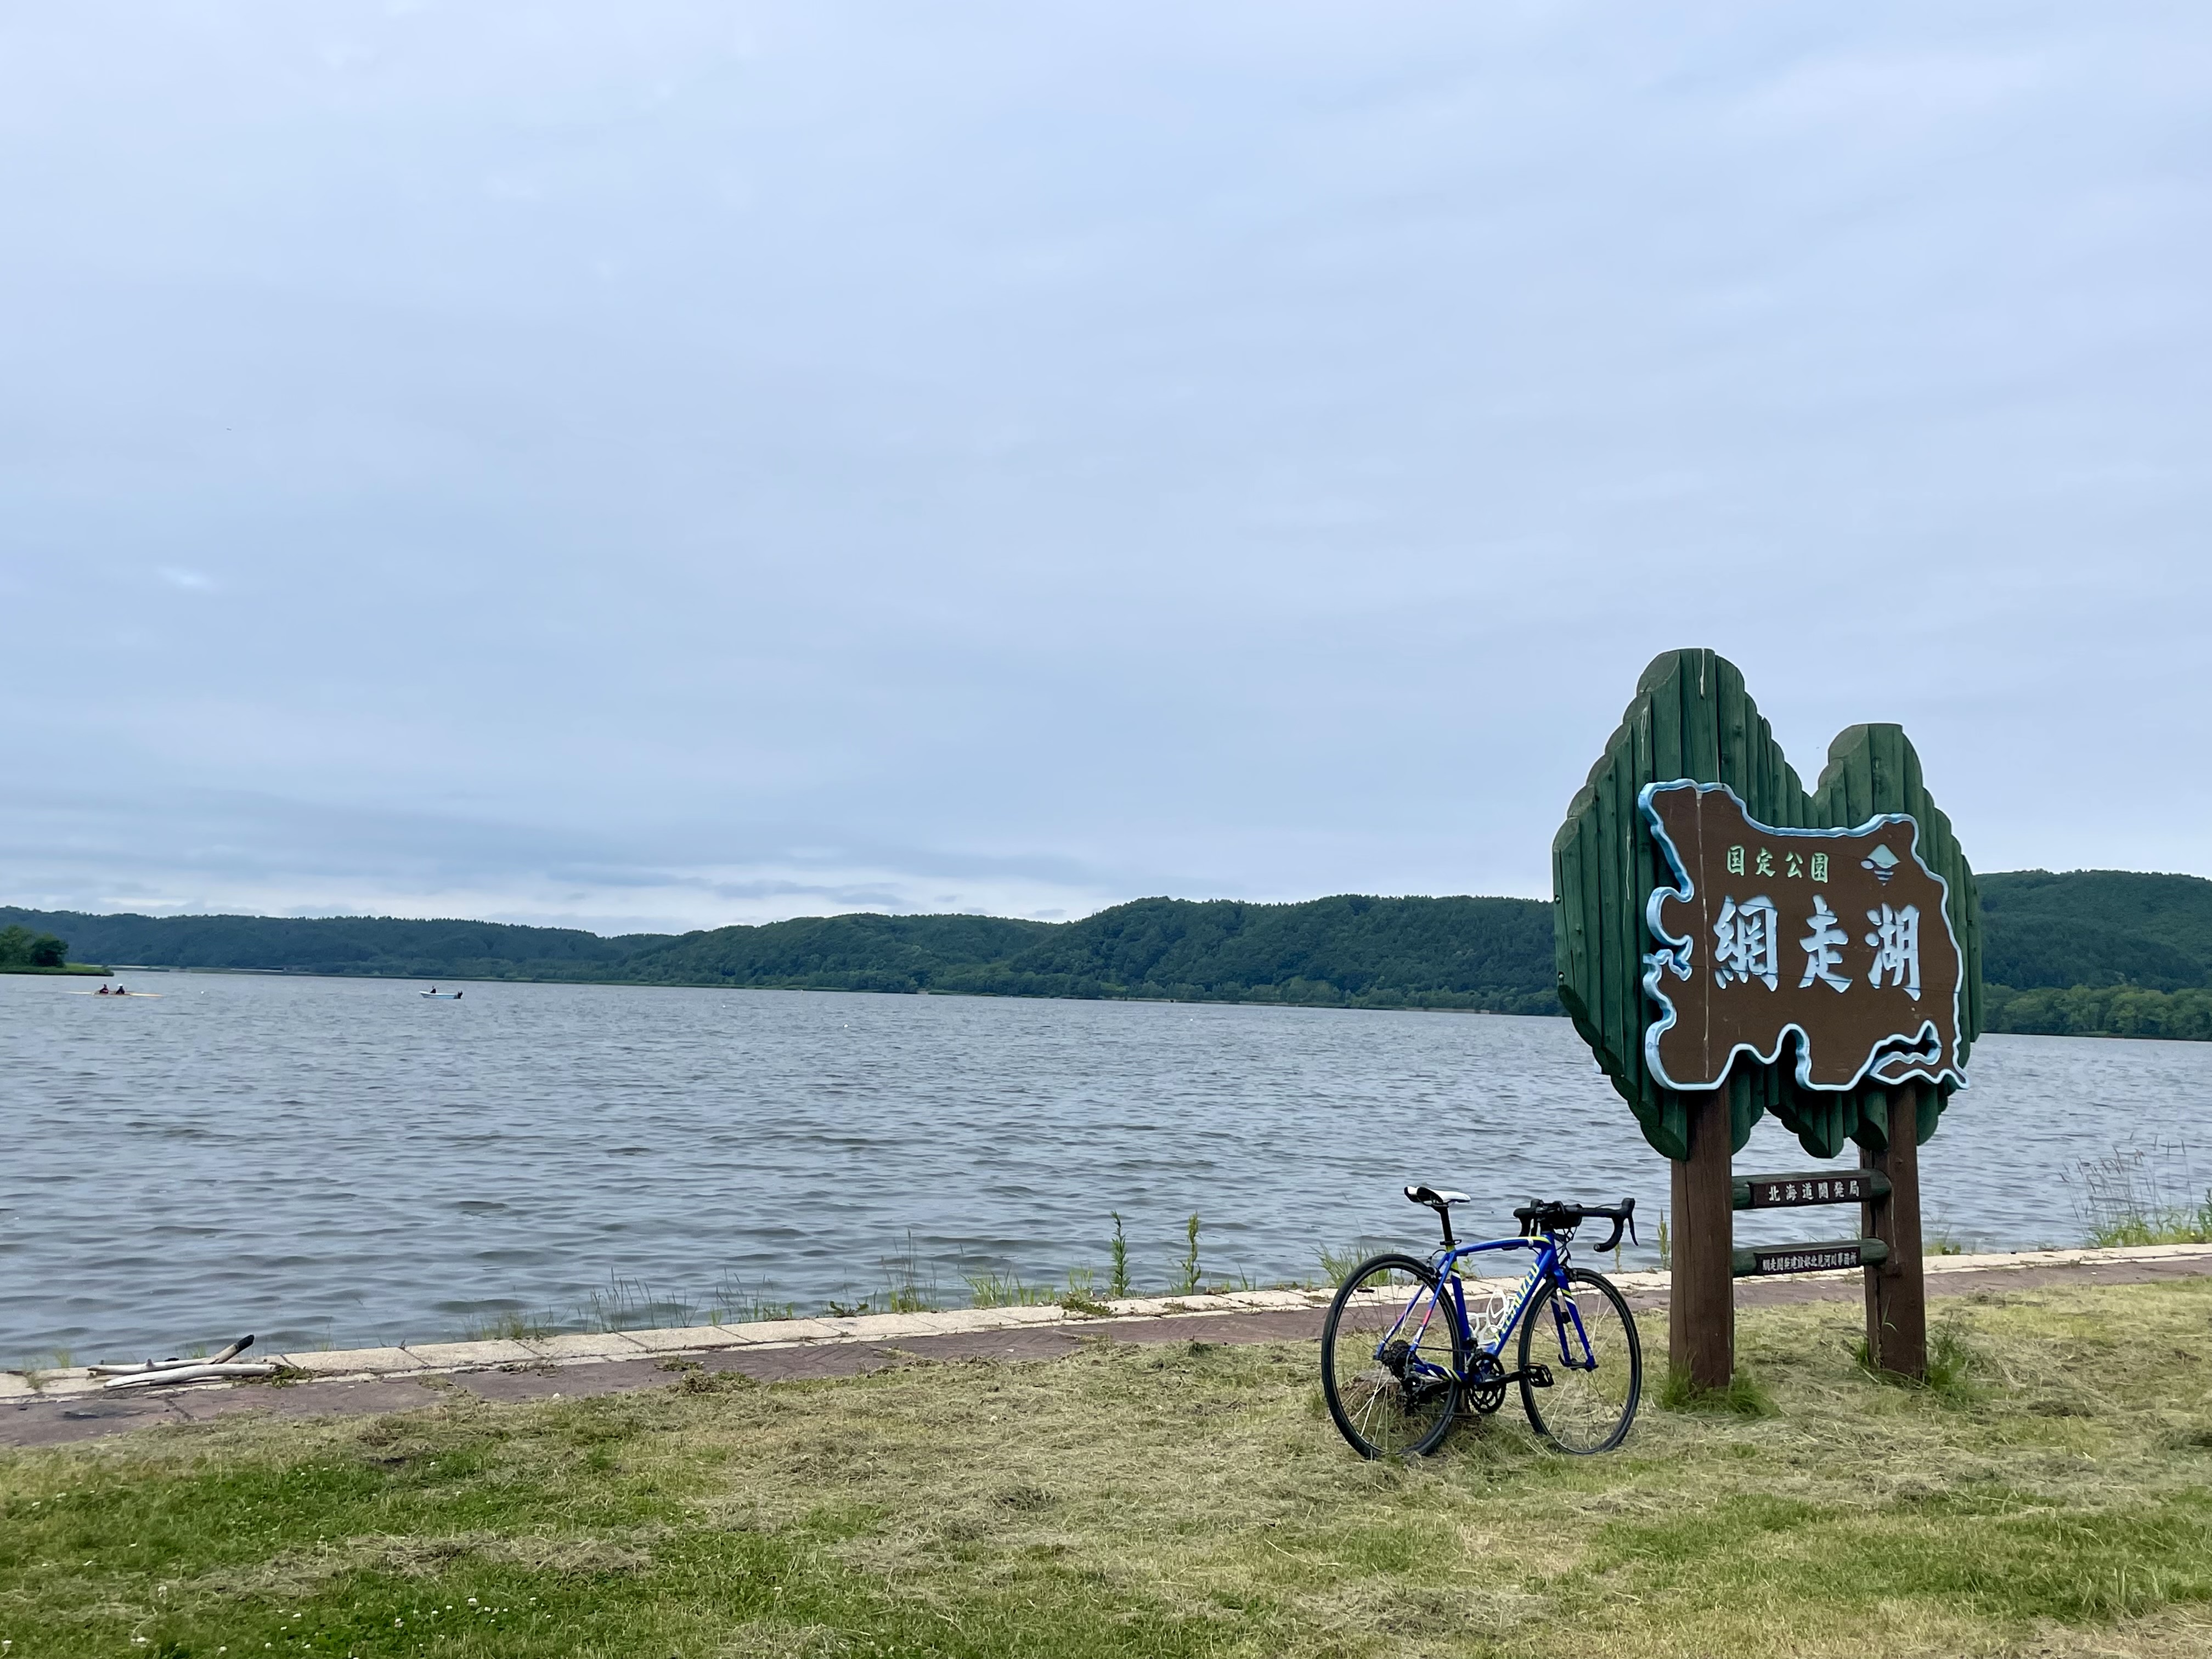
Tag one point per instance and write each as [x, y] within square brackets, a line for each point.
[443, 996]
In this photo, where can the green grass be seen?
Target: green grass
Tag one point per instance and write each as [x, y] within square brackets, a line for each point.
[2054, 1496]
[991, 1287]
[1745, 1395]
[2176, 1225]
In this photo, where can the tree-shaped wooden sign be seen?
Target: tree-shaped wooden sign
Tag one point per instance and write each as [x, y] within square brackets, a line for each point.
[1731, 944]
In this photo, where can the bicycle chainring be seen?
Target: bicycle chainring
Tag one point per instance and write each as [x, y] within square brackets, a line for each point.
[1485, 1390]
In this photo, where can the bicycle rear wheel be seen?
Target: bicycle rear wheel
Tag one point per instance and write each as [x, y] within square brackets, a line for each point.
[1586, 1340]
[1391, 1353]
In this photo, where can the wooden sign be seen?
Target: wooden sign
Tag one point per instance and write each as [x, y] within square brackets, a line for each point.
[1691, 720]
[1731, 943]
[1839, 939]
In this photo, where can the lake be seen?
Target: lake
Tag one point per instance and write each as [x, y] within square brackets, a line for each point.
[343, 1161]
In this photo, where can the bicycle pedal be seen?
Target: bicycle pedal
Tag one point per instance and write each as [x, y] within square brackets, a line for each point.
[1540, 1376]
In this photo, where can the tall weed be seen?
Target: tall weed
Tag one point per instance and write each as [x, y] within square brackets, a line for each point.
[2137, 1194]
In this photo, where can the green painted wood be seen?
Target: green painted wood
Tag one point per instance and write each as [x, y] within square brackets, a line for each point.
[1874, 768]
[1693, 717]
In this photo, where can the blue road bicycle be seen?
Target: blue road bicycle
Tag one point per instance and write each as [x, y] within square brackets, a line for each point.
[1408, 1343]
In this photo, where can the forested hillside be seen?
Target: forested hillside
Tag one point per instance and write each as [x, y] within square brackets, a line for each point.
[2096, 929]
[2088, 951]
[1349, 951]
[838, 953]
[2098, 954]
[336, 944]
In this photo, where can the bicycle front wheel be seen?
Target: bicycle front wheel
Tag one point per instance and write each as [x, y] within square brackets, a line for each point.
[1391, 1354]
[1586, 1338]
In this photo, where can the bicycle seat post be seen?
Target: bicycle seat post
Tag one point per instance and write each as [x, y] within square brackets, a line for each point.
[1441, 1202]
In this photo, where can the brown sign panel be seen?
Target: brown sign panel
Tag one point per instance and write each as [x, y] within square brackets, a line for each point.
[1838, 938]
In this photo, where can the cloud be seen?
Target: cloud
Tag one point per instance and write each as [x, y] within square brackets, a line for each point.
[1025, 460]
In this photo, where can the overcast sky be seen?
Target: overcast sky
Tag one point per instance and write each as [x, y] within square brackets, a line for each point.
[665, 464]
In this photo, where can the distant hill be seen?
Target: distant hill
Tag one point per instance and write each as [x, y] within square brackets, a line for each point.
[839, 953]
[1348, 951]
[2088, 950]
[2096, 929]
[336, 944]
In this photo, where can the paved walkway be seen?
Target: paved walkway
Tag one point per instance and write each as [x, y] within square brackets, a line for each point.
[49, 1409]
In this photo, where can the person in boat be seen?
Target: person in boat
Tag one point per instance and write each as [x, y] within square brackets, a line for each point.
[101, 992]
[121, 992]
[457, 996]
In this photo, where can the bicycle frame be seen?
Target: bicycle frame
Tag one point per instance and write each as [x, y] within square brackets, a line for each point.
[1550, 1268]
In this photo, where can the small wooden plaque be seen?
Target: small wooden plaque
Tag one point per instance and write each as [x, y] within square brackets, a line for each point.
[1789, 1192]
[1826, 1255]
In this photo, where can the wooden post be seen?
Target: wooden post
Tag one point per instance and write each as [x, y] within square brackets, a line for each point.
[1896, 1294]
[1701, 1308]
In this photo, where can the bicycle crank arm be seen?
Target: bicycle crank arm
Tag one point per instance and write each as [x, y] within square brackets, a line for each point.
[1536, 1376]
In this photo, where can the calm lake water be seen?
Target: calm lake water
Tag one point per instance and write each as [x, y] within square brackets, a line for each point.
[341, 1160]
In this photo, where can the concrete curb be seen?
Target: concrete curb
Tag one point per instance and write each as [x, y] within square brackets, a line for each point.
[434, 1358]
[542, 1353]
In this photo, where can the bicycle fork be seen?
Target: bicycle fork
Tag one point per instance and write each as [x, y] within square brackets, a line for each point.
[1565, 1310]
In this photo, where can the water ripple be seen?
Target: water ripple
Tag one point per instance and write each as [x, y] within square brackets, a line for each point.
[341, 1160]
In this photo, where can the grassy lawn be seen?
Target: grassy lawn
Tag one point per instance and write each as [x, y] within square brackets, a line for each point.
[2056, 1498]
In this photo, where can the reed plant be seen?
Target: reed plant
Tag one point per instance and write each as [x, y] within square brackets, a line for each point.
[736, 1302]
[509, 1325]
[902, 1287]
[632, 1304]
[1118, 1285]
[2141, 1194]
[1187, 1276]
[1337, 1262]
[992, 1287]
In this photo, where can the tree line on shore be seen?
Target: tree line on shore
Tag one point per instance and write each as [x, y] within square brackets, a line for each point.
[21, 948]
[2114, 952]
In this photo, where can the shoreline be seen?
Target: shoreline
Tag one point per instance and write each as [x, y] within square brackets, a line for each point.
[932, 991]
[49, 1408]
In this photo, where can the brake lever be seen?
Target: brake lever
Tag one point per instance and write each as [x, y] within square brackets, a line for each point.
[1625, 1216]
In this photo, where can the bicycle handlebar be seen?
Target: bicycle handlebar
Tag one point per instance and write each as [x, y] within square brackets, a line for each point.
[1552, 1218]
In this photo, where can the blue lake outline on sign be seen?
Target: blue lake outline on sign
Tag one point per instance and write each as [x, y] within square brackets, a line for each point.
[1924, 1049]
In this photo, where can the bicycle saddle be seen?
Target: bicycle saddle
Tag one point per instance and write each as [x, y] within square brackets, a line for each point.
[1438, 1201]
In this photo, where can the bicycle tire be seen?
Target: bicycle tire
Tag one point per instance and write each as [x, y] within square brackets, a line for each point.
[1596, 1380]
[1379, 1410]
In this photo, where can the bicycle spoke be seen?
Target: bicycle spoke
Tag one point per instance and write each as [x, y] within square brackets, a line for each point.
[1389, 1359]
[1596, 1366]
